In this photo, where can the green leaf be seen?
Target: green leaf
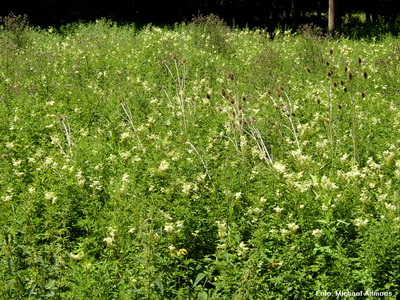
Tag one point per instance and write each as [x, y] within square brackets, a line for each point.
[49, 284]
[203, 296]
[159, 285]
[199, 277]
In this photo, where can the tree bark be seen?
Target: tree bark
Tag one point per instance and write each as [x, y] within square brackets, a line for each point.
[332, 15]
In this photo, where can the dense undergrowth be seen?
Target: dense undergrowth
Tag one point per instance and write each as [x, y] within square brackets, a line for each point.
[202, 162]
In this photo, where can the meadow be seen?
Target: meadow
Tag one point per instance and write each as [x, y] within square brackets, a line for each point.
[198, 162]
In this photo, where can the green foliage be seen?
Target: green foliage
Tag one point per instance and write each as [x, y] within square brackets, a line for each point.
[15, 29]
[211, 33]
[202, 162]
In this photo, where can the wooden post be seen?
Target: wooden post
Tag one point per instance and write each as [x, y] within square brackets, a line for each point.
[332, 15]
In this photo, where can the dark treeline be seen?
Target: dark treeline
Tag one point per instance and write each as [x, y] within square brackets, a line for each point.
[267, 13]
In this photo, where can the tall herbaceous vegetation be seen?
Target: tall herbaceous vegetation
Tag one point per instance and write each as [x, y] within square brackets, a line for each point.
[200, 162]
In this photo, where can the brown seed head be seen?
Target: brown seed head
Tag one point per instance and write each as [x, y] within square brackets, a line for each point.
[308, 70]
[231, 76]
[359, 60]
[350, 76]
[224, 94]
[173, 55]
[331, 51]
[362, 94]
[251, 119]
[365, 75]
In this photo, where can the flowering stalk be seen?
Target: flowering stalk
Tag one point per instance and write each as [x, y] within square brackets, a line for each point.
[128, 118]
[202, 160]
[67, 131]
[180, 82]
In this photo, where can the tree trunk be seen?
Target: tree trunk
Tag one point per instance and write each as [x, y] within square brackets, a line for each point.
[295, 12]
[333, 12]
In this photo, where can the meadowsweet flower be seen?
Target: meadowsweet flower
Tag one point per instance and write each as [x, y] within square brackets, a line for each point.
[10, 145]
[242, 248]
[109, 241]
[360, 223]
[16, 162]
[50, 196]
[77, 256]
[186, 187]
[317, 233]
[344, 158]
[164, 166]
[364, 196]
[322, 145]
[285, 231]
[83, 132]
[390, 206]
[278, 209]
[380, 197]
[354, 173]
[279, 167]
[169, 227]
[125, 136]
[125, 178]
[327, 184]
[293, 227]
[372, 164]
[7, 198]
[299, 157]
[221, 246]
[238, 195]
[96, 185]
[48, 161]
[222, 230]
[179, 224]
[397, 164]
